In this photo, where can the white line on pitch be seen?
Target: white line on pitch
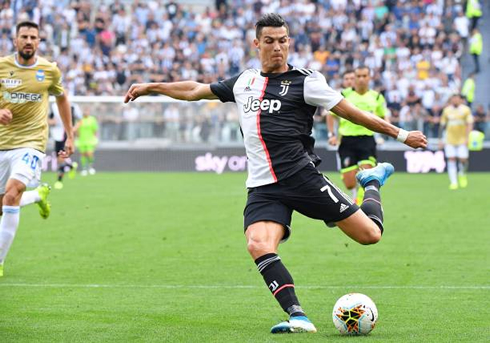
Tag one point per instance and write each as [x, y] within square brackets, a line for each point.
[67, 285]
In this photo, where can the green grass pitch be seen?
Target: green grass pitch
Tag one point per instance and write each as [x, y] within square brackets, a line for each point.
[142, 257]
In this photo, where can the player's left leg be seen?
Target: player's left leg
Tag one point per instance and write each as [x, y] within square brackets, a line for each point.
[91, 160]
[366, 226]
[463, 156]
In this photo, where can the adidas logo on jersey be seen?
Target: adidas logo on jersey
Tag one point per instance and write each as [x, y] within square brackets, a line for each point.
[343, 207]
[265, 105]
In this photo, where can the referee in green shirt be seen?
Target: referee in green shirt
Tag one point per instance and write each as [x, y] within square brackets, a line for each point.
[357, 148]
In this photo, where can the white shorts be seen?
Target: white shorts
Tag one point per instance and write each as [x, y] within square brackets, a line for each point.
[22, 164]
[459, 151]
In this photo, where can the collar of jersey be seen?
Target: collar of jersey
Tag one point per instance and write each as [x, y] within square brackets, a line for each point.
[272, 75]
[23, 66]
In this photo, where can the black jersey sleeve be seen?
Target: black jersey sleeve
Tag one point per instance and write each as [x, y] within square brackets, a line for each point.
[224, 89]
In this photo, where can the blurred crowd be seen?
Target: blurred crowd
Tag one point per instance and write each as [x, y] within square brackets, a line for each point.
[413, 47]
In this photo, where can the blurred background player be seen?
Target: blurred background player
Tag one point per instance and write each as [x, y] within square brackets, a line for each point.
[27, 80]
[58, 134]
[457, 122]
[357, 148]
[86, 131]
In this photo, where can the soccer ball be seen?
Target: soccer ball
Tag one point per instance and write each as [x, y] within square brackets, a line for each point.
[355, 314]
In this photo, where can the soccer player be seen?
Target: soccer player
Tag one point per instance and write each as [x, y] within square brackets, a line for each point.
[457, 121]
[276, 106]
[86, 130]
[357, 148]
[57, 132]
[26, 81]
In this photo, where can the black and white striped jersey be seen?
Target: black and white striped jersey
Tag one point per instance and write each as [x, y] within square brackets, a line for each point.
[276, 118]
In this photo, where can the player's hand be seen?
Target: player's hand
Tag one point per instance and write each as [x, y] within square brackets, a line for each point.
[333, 140]
[68, 150]
[416, 139]
[5, 116]
[135, 91]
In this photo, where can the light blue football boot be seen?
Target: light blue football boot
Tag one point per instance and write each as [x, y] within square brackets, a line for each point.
[380, 173]
[294, 325]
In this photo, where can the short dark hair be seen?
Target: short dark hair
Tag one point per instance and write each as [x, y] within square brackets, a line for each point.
[26, 24]
[269, 20]
[363, 67]
[347, 71]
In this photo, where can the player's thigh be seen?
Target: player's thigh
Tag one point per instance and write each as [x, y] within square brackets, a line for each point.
[4, 170]
[264, 205]
[347, 156]
[450, 151]
[26, 166]
[462, 152]
[315, 196]
[263, 237]
[360, 228]
[366, 151]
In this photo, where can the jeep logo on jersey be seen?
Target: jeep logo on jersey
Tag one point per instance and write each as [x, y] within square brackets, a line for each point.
[265, 105]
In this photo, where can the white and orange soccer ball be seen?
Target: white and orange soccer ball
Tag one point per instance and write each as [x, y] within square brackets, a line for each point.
[355, 314]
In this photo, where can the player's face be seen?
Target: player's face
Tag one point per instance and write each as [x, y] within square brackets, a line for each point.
[26, 42]
[348, 80]
[362, 79]
[273, 46]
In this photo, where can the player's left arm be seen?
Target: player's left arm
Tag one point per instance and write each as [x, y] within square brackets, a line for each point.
[469, 125]
[64, 108]
[65, 115]
[346, 110]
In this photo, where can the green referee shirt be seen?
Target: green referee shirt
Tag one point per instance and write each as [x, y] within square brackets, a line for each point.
[371, 101]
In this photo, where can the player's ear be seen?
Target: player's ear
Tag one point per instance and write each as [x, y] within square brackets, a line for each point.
[256, 43]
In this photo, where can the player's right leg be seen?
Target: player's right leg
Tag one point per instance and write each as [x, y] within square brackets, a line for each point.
[9, 221]
[463, 155]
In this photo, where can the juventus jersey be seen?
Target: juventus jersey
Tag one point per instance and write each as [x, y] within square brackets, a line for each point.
[276, 117]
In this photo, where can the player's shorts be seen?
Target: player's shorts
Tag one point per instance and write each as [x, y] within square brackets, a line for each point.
[456, 151]
[23, 164]
[59, 146]
[308, 192]
[355, 151]
[84, 147]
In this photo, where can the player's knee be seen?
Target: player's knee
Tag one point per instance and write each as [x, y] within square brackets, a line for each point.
[11, 198]
[372, 235]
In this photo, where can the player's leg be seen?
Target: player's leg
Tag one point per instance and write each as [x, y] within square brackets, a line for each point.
[348, 164]
[91, 160]
[452, 168]
[83, 159]
[263, 238]
[9, 221]
[366, 226]
[463, 155]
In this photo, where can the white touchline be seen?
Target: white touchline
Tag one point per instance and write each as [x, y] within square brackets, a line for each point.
[350, 287]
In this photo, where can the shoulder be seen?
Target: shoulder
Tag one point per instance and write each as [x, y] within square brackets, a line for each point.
[46, 64]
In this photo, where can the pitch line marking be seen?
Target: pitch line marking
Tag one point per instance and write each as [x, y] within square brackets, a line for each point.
[67, 285]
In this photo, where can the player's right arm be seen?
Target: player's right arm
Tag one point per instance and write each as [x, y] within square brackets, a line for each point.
[183, 90]
[5, 116]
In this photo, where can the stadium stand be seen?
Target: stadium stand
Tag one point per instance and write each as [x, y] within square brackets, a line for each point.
[415, 49]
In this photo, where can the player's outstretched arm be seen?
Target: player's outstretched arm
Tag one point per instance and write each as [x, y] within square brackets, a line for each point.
[184, 90]
[345, 109]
